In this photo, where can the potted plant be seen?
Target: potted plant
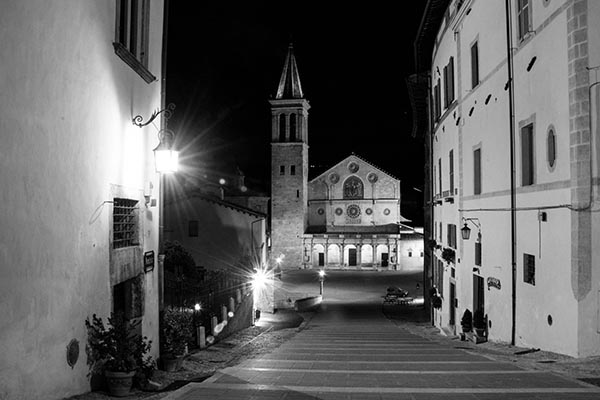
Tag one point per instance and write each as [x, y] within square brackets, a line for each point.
[479, 322]
[116, 351]
[177, 334]
[448, 255]
[466, 323]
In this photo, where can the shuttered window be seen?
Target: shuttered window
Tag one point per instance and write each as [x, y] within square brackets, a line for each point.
[527, 156]
[474, 65]
[529, 268]
[477, 171]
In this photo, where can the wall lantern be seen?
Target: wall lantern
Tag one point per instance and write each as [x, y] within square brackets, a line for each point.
[166, 158]
[465, 231]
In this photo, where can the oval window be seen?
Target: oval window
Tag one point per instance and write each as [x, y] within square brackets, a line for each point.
[551, 148]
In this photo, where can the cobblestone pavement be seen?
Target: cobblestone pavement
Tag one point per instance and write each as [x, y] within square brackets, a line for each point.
[353, 352]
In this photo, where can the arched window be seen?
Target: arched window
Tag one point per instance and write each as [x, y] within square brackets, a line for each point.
[353, 188]
[282, 127]
[292, 127]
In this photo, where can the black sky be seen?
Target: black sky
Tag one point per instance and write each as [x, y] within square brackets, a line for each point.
[225, 60]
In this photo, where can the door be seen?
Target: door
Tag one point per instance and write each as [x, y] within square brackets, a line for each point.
[352, 257]
[452, 304]
[384, 259]
[478, 294]
[321, 259]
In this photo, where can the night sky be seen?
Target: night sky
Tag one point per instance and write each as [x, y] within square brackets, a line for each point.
[225, 60]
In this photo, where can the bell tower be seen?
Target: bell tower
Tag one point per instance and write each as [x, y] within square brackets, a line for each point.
[289, 167]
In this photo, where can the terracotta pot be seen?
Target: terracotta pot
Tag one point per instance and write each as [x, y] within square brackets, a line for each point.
[119, 383]
[171, 364]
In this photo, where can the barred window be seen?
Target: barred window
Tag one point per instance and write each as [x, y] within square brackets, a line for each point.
[529, 268]
[125, 223]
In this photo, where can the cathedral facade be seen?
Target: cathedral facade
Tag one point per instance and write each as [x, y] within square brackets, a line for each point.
[347, 217]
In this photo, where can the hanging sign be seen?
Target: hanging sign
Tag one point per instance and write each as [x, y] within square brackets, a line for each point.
[149, 261]
[494, 282]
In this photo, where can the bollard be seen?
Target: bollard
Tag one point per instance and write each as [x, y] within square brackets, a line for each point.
[231, 304]
[213, 325]
[238, 296]
[223, 313]
[201, 337]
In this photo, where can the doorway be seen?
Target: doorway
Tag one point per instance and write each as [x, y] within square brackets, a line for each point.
[321, 259]
[352, 257]
[384, 259]
[452, 304]
[478, 294]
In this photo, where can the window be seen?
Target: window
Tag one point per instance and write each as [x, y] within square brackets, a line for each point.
[434, 182]
[131, 41]
[529, 268]
[551, 148]
[125, 223]
[282, 170]
[440, 175]
[440, 277]
[527, 156]
[523, 18]
[451, 235]
[410, 253]
[449, 83]
[478, 253]
[353, 188]
[193, 228]
[292, 170]
[421, 254]
[451, 171]
[282, 128]
[297, 193]
[477, 171]
[474, 65]
[440, 232]
[292, 128]
[437, 101]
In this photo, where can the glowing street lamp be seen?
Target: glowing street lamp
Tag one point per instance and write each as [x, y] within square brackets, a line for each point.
[321, 280]
[166, 159]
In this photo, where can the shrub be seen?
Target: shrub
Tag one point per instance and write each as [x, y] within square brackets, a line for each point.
[177, 331]
[117, 346]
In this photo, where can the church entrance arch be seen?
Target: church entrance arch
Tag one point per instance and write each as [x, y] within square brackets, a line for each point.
[350, 254]
[318, 255]
[383, 255]
[333, 254]
[366, 255]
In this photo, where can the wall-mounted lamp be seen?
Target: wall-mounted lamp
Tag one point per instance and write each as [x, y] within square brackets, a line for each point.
[465, 231]
[166, 159]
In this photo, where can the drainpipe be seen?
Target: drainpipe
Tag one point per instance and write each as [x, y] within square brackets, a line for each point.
[513, 212]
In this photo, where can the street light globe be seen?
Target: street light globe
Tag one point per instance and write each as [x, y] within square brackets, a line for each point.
[197, 307]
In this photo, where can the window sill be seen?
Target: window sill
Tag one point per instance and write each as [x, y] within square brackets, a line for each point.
[133, 62]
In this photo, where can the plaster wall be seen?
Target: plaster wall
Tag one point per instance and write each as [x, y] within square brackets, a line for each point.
[67, 136]
[545, 316]
[414, 245]
[225, 233]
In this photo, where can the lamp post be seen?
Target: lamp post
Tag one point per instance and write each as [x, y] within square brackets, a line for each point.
[321, 280]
